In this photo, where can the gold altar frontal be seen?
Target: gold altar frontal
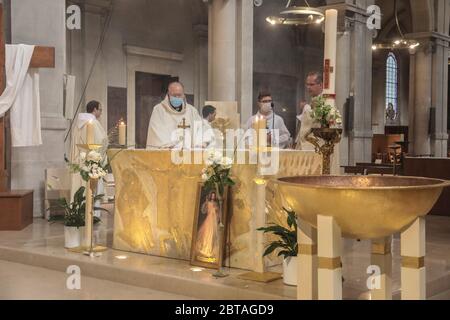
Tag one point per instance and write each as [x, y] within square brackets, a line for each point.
[156, 200]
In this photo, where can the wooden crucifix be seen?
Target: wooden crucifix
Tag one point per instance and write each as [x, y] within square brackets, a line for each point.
[43, 57]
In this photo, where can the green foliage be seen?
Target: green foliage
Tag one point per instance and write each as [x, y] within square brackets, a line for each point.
[74, 213]
[287, 243]
[321, 111]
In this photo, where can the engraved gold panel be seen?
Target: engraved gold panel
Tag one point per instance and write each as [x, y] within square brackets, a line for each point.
[155, 202]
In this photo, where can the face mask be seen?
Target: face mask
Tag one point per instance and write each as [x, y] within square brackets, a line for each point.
[266, 107]
[176, 102]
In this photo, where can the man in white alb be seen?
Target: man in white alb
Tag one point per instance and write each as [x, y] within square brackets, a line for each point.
[314, 85]
[171, 115]
[274, 122]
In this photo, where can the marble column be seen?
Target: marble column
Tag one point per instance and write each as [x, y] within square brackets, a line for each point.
[244, 88]
[439, 138]
[360, 149]
[422, 100]
[201, 64]
[230, 71]
[222, 50]
[411, 101]
[439, 97]
[354, 71]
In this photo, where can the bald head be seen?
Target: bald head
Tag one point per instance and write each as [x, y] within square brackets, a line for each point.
[176, 89]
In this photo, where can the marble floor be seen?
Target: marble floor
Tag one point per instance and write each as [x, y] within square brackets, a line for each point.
[139, 276]
[24, 282]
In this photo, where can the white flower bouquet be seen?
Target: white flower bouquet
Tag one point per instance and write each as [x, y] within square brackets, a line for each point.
[325, 115]
[216, 175]
[90, 166]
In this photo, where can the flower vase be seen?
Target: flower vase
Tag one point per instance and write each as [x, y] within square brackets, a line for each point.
[290, 271]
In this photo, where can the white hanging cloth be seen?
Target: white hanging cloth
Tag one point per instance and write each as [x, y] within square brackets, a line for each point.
[21, 95]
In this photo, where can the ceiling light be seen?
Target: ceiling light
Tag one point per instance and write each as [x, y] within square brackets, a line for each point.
[400, 43]
[297, 15]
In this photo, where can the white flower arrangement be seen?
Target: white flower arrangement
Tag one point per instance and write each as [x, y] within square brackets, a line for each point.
[217, 173]
[326, 115]
[90, 166]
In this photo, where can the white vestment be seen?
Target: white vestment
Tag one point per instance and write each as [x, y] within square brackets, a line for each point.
[163, 130]
[208, 135]
[306, 124]
[79, 137]
[276, 123]
[21, 95]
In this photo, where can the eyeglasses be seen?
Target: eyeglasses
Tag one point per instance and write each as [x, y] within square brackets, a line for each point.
[266, 101]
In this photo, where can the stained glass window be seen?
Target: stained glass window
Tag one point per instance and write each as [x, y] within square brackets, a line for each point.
[392, 82]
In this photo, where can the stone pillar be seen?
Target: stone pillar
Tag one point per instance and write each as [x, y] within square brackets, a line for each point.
[360, 148]
[422, 100]
[201, 64]
[343, 67]
[244, 89]
[42, 23]
[222, 50]
[439, 136]
[231, 53]
[354, 71]
[411, 102]
[439, 97]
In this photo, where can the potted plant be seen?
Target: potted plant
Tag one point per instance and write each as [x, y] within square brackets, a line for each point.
[286, 245]
[73, 218]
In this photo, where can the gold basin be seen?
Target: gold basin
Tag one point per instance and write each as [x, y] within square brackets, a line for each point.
[365, 207]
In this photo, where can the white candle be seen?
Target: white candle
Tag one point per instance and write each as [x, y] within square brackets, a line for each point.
[90, 133]
[330, 53]
[122, 133]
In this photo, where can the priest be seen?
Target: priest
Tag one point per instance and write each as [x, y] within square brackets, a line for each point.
[172, 116]
[79, 132]
[314, 86]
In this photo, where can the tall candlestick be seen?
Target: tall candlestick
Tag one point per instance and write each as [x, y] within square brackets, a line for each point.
[90, 133]
[122, 133]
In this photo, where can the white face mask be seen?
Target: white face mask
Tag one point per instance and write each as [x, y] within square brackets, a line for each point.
[266, 107]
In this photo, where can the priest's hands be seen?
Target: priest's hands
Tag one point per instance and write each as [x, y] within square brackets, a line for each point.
[301, 105]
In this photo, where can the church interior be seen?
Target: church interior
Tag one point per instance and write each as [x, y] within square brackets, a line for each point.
[98, 200]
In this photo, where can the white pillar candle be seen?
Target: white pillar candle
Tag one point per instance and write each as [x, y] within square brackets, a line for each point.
[122, 133]
[90, 133]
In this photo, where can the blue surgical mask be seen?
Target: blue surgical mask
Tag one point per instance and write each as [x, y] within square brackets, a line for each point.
[176, 102]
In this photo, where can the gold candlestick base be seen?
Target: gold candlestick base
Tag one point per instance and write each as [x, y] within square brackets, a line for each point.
[330, 137]
[86, 249]
[89, 147]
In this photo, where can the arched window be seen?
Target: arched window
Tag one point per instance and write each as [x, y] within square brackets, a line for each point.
[391, 86]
